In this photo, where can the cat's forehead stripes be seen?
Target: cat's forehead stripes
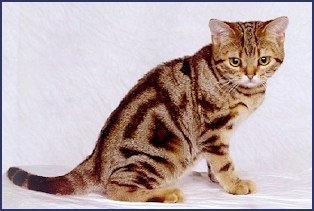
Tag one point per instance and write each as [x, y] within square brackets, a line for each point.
[248, 36]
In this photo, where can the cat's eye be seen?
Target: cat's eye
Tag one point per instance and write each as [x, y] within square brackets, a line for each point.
[265, 60]
[235, 62]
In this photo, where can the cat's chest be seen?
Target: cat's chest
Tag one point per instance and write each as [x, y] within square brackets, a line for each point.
[231, 112]
[243, 107]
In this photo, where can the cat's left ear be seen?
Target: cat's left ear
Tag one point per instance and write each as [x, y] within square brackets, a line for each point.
[277, 26]
[220, 31]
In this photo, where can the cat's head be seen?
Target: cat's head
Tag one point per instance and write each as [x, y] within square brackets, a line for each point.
[248, 53]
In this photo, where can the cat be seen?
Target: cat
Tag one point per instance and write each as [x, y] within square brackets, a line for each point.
[179, 111]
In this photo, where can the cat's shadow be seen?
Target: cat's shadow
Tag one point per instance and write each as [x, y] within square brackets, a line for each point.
[202, 177]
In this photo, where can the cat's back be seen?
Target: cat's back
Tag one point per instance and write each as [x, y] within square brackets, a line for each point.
[164, 84]
[158, 99]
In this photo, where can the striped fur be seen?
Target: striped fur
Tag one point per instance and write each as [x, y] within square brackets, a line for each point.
[177, 112]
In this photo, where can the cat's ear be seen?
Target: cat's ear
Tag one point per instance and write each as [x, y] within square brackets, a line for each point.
[220, 31]
[277, 26]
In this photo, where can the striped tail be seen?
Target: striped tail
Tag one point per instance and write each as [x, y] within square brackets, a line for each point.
[61, 185]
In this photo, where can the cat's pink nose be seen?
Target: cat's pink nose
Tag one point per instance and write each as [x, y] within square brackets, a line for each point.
[250, 76]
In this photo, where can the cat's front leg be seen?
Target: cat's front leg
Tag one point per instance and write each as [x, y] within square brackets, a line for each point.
[211, 175]
[221, 167]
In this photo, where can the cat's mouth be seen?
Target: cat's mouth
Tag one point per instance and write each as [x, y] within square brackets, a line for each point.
[250, 83]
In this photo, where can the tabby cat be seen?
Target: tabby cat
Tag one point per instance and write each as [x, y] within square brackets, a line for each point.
[178, 112]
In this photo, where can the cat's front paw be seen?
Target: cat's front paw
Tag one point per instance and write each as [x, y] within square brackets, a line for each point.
[242, 187]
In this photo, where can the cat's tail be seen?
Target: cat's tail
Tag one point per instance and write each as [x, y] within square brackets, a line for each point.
[71, 183]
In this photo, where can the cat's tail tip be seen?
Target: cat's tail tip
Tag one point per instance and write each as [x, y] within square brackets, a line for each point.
[16, 178]
[53, 185]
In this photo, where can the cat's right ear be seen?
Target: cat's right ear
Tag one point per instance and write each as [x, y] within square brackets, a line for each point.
[277, 28]
[220, 31]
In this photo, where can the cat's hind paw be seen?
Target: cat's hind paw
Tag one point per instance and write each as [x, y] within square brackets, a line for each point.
[169, 195]
[174, 196]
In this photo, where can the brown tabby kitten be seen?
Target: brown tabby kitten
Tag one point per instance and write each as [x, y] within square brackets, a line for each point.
[178, 112]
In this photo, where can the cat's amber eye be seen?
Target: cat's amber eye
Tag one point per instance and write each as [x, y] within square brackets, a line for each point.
[235, 62]
[265, 60]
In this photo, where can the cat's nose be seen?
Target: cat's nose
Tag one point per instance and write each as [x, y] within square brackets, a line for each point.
[250, 76]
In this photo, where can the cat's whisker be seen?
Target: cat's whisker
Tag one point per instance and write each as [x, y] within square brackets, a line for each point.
[232, 83]
[224, 85]
[222, 82]
[233, 88]
[269, 73]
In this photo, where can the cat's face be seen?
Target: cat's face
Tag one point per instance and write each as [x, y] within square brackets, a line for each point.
[246, 54]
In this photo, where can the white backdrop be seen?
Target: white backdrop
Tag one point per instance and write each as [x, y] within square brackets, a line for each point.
[66, 66]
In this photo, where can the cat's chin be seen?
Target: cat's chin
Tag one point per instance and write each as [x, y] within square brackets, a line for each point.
[250, 85]
[247, 83]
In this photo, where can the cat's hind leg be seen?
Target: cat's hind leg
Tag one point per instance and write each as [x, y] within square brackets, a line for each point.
[130, 192]
[133, 183]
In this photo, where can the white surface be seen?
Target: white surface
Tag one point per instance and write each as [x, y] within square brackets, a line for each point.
[199, 192]
[66, 66]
